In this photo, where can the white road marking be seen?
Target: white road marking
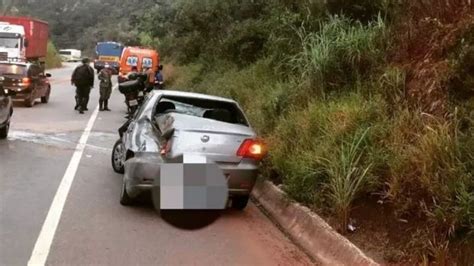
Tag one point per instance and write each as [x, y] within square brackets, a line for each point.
[45, 239]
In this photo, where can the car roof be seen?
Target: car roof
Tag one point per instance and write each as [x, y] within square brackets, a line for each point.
[173, 93]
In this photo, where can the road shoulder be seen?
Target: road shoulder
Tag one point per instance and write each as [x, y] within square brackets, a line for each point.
[307, 229]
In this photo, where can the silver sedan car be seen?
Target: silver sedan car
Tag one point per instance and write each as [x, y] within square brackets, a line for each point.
[171, 123]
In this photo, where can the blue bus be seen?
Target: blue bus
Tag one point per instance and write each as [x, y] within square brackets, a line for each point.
[108, 53]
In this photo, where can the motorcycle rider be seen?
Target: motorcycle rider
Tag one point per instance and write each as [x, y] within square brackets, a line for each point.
[83, 79]
[150, 80]
[133, 71]
[105, 77]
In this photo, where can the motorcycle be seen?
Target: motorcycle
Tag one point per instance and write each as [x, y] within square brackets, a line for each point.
[134, 91]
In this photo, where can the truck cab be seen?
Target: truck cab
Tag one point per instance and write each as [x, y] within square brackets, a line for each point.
[23, 39]
[108, 53]
[12, 42]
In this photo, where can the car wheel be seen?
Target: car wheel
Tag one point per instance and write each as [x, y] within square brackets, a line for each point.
[117, 157]
[30, 100]
[45, 98]
[240, 202]
[4, 131]
[125, 199]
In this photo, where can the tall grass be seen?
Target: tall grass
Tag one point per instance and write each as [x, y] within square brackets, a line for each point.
[347, 176]
[431, 176]
[310, 147]
[340, 52]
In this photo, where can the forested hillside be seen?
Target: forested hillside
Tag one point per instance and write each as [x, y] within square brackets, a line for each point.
[367, 106]
[81, 24]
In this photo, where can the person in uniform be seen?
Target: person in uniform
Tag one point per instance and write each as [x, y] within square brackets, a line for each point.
[105, 87]
[83, 78]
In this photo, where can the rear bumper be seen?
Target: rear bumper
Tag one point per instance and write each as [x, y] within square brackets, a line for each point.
[140, 174]
[100, 65]
[19, 92]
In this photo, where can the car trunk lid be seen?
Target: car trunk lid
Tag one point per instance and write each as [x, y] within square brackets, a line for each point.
[217, 141]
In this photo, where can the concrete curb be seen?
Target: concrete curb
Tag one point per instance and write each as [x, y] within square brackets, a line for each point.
[309, 230]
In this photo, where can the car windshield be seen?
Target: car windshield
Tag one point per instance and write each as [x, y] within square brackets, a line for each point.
[210, 109]
[9, 42]
[8, 69]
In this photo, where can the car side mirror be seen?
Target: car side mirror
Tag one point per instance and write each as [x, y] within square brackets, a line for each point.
[48, 75]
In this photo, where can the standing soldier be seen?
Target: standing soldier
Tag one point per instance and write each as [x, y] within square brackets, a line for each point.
[83, 79]
[105, 77]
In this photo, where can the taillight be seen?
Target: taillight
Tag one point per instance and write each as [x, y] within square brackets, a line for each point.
[251, 148]
[165, 148]
[26, 81]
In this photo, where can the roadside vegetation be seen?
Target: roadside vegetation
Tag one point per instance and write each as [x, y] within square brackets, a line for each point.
[53, 59]
[367, 105]
[364, 106]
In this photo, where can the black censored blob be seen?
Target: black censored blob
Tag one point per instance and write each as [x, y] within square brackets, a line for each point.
[190, 196]
[190, 219]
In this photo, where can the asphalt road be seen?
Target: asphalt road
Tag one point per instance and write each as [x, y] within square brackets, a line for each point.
[94, 229]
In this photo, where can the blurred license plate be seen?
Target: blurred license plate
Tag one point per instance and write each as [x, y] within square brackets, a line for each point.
[133, 102]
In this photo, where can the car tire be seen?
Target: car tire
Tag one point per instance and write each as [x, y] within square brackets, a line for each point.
[117, 154]
[125, 199]
[239, 203]
[30, 101]
[45, 98]
[4, 131]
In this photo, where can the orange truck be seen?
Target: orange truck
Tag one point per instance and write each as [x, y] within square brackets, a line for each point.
[141, 58]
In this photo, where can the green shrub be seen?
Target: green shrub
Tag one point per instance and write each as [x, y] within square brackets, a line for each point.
[392, 85]
[347, 176]
[342, 52]
[53, 59]
[431, 172]
[302, 138]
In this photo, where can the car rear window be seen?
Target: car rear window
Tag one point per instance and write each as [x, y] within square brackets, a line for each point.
[9, 69]
[216, 110]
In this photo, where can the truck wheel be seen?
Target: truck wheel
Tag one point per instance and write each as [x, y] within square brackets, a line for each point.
[4, 131]
[30, 101]
[117, 157]
[45, 98]
[240, 202]
[125, 199]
